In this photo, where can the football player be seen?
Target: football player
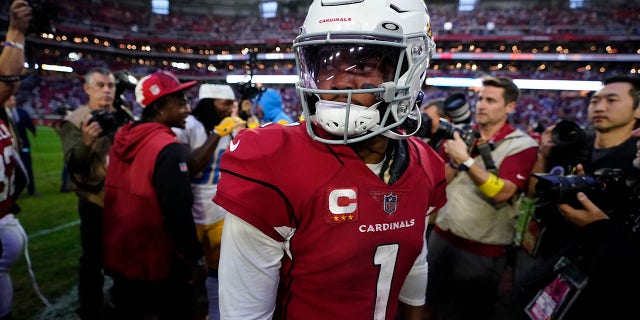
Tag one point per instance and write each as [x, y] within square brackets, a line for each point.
[326, 217]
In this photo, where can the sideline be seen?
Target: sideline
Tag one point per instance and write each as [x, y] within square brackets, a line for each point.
[54, 229]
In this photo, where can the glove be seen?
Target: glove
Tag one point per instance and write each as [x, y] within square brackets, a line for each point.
[227, 125]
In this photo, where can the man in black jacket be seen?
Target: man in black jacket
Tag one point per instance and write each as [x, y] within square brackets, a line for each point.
[600, 252]
[611, 259]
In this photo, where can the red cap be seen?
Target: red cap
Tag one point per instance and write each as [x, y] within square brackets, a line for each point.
[159, 84]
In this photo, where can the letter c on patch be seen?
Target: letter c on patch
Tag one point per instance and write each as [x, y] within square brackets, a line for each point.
[342, 201]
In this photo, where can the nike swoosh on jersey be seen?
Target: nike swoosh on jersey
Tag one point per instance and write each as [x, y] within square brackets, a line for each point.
[521, 177]
[234, 146]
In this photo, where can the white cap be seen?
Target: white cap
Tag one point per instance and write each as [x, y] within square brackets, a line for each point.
[216, 91]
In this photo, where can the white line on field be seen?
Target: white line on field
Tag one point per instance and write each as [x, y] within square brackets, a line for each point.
[54, 229]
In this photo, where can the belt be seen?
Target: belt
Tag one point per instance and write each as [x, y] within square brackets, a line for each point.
[483, 249]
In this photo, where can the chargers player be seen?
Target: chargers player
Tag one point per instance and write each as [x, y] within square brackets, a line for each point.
[326, 218]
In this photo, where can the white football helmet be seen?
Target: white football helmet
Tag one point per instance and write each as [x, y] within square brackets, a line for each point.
[353, 36]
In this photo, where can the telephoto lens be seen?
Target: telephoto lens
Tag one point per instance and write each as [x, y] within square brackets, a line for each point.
[457, 109]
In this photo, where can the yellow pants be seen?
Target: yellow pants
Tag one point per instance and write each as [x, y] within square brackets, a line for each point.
[210, 236]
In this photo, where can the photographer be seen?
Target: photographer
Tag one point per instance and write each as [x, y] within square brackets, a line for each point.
[473, 230]
[612, 111]
[85, 150]
[611, 257]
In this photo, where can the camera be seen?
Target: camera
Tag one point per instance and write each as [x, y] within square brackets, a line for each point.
[457, 109]
[44, 13]
[572, 145]
[125, 80]
[606, 188]
[249, 90]
[446, 129]
[110, 121]
[567, 133]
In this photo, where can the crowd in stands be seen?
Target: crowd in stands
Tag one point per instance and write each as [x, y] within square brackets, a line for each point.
[131, 18]
[52, 93]
[49, 95]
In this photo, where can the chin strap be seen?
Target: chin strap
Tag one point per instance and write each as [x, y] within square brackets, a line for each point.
[396, 162]
[399, 136]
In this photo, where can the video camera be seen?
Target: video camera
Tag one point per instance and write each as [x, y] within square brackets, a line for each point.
[606, 188]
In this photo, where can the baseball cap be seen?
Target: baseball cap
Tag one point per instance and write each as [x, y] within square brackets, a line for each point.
[157, 85]
[216, 91]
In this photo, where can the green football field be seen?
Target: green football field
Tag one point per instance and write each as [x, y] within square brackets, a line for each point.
[51, 223]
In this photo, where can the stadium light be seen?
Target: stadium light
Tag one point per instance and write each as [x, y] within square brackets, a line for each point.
[258, 78]
[51, 67]
[525, 84]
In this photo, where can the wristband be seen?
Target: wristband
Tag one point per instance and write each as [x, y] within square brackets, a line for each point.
[466, 165]
[17, 45]
[15, 78]
[492, 186]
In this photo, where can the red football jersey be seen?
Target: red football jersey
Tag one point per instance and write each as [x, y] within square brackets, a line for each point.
[356, 237]
[8, 165]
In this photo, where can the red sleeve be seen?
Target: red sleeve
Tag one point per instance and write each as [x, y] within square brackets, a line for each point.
[517, 167]
[257, 204]
[436, 172]
[247, 187]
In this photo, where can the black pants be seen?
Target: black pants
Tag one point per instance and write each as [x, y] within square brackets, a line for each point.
[91, 279]
[167, 299]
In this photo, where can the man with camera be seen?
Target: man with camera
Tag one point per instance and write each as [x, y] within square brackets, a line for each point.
[473, 230]
[560, 248]
[614, 258]
[85, 150]
[442, 116]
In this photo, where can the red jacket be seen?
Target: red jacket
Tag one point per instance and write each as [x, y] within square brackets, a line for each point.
[136, 244]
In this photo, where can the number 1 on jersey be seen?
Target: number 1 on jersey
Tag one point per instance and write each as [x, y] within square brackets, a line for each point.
[385, 258]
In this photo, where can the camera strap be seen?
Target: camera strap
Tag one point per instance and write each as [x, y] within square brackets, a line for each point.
[485, 152]
[485, 149]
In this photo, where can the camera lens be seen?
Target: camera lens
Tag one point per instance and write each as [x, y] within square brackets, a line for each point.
[566, 132]
[563, 189]
[457, 108]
